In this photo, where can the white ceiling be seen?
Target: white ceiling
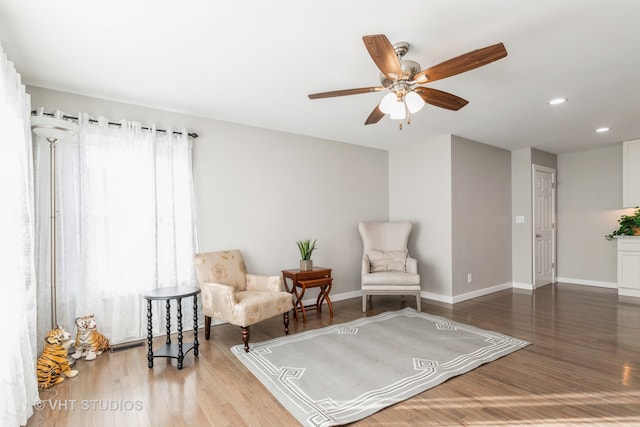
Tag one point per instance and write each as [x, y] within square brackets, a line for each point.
[254, 62]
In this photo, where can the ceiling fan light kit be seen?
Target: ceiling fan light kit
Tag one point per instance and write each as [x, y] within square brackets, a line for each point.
[403, 78]
[395, 104]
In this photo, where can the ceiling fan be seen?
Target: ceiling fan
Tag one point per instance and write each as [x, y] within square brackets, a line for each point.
[403, 79]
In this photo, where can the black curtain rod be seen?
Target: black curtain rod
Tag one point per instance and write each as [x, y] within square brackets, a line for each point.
[67, 117]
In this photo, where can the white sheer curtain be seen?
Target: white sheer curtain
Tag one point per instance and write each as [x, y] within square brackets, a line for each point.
[125, 224]
[18, 385]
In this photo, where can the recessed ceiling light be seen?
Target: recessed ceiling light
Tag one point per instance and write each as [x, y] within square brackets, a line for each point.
[557, 101]
[602, 129]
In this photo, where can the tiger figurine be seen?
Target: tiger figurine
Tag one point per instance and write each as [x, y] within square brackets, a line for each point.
[89, 342]
[53, 361]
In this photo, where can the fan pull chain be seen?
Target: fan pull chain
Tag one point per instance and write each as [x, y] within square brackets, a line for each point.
[408, 113]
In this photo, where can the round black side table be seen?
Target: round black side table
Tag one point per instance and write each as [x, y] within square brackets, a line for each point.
[175, 351]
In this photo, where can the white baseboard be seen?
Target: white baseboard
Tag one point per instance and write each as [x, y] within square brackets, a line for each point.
[466, 296]
[525, 286]
[528, 286]
[626, 292]
[475, 294]
[610, 285]
[481, 292]
[436, 297]
[335, 297]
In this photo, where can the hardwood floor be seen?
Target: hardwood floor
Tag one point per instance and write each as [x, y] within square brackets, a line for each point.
[583, 368]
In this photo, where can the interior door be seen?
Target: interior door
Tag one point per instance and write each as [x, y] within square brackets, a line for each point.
[543, 225]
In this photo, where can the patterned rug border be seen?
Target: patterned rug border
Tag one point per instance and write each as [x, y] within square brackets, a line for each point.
[282, 381]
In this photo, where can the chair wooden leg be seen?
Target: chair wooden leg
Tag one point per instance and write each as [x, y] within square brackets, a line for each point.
[285, 317]
[207, 327]
[364, 303]
[245, 337]
[418, 302]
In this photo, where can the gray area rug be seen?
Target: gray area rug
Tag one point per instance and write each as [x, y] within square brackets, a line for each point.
[345, 372]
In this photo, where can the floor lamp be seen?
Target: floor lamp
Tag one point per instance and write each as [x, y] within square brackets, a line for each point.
[53, 128]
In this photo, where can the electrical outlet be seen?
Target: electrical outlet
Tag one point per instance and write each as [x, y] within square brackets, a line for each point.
[469, 278]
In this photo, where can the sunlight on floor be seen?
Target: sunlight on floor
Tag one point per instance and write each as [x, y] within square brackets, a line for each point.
[598, 421]
[593, 404]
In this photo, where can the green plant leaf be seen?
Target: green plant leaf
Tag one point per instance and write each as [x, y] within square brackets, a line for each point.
[626, 225]
[306, 248]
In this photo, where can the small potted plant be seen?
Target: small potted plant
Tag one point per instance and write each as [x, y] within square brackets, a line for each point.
[306, 248]
[629, 226]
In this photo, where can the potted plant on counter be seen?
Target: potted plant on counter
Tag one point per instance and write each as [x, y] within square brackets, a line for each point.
[629, 225]
[306, 248]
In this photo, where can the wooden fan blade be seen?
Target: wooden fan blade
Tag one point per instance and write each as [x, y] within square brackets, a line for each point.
[440, 98]
[375, 116]
[460, 64]
[345, 92]
[383, 55]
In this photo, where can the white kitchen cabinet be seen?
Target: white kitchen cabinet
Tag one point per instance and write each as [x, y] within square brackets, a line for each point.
[629, 266]
[631, 173]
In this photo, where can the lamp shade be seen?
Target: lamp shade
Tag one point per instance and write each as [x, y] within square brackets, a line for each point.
[414, 102]
[393, 106]
[399, 112]
[387, 104]
[53, 127]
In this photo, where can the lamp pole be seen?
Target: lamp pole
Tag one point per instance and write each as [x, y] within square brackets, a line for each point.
[53, 128]
[52, 229]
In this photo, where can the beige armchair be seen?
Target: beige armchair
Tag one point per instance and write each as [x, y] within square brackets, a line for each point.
[387, 268]
[232, 295]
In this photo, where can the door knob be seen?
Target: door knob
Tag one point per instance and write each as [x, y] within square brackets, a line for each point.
[538, 235]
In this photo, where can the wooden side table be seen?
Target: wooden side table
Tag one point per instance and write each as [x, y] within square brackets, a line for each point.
[170, 349]
[319, 277]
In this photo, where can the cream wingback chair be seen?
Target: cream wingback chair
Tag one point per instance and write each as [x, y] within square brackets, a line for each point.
[387, 268]
[232, 295]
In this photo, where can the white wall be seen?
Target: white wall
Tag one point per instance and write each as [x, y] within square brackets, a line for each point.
[521, 249]
[589, 205]
[522, 205]
[259, 190]
[481, 218]
[420, 191]
[457, 192]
